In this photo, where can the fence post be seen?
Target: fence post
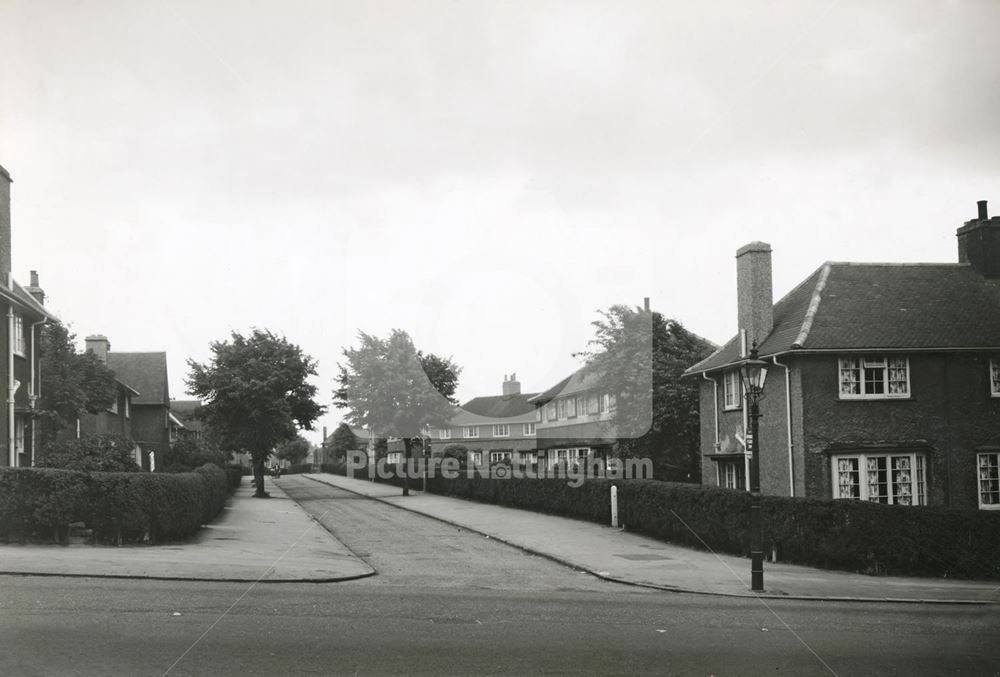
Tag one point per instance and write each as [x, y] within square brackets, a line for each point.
[614, 506]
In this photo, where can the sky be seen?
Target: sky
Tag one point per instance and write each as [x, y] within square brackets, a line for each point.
[486, 176]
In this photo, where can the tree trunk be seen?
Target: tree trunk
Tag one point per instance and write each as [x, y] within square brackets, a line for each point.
[258, 477]
[407, 444]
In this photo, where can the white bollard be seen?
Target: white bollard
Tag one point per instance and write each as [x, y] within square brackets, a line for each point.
[614, 506]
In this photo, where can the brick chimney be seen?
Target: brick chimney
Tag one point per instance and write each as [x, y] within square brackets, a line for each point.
[35, 290]
[5, 182]
[979, 242]
[511, 386]
[754, 300]
[99, 345]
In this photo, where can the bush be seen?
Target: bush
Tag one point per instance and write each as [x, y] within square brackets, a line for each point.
[92, 453]
[297, 469]
[853, 536]
[40, 503]
[187, 454]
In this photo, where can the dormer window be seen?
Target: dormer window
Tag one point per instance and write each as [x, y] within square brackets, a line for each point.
[995, 377]
[874, 378]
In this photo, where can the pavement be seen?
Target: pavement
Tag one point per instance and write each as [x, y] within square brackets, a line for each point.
[260, 540]
[275, 540]
[624, 557]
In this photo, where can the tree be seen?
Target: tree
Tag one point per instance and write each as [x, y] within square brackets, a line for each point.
[385, 386]
[641, 356]
[256, 394]
[72, 383]
[340, 442]
[293, 451]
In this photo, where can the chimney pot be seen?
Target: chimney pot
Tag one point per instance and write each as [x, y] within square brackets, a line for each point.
[645, 303]
[511, 386]
[983, 212]
[979, 243]
[99, 345]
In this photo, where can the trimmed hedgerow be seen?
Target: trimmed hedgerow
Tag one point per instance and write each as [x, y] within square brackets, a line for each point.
[848, 535]
[41, 503]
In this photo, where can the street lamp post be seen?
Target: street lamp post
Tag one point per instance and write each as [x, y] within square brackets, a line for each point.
[753, 371]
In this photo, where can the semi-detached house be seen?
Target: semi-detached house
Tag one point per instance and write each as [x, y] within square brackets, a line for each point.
[883, 380]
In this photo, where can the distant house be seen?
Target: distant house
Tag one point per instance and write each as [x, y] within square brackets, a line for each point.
[116, 419]
[185, 423]
[883, 380]
[574, 420]
[19, 368]
[145, 373]
[495, 428]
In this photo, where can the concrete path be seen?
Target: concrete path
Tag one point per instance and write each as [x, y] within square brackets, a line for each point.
[267, 540]
[625, 557]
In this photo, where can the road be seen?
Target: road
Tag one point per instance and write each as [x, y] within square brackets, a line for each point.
[447, 601]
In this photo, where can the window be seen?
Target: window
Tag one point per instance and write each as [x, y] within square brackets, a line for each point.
[571, 407]
[607, 403]
[394, 457]
[472, 431]
[567, 457]
[899, 479]
[501, 430]
[989, 481]
[733, 474]
[529, 429]
[550, 411]
[18, 437]
[527, 457]
[593, 404]
[444, 434]
[731, 389]
[128, 406]
[581, 406]
[995, 377]
[114, 405]
[476, 457]
[501, 456]
[560, 409]
[874, 377]
[18, 334]
[538, 414]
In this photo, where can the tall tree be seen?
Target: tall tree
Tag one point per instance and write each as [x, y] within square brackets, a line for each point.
[340, 442]
[384, 385]
[640, 355]
[293, 451]
[256, 393]
[72, 383]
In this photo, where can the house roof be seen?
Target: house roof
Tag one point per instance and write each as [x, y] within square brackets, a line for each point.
[26, 301]
[146, 372]
[880, 306]
[500, 406]
[579, 381]
[185, 411]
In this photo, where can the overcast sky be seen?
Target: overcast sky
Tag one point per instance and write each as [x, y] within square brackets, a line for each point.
[484, 175]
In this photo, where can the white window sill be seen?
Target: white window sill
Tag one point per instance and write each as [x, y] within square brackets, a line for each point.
[866, 398]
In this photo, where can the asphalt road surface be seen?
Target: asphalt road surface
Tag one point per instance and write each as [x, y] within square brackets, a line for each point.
[447, 601]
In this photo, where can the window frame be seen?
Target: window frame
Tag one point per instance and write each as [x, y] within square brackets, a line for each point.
[995, 377]
[529, 430]
[738, 476]
[470, 432]
[551, 411]
[444, 434]
[732, 389]
[860, 365]
[20, 345]
[918, 465]
[501, 430]
[992, 477]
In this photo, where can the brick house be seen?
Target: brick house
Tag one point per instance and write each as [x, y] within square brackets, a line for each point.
[145, 373]
[883, 381]
[574, 420]
[19, 370]
[494, 428]
[116, 419]
[184, 421]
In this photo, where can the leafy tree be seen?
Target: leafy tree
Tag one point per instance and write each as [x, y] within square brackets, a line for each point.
[189, 453]
[72, 383]
[385, 386]
[92, 453]
[256, 394]
[640, 355]
[293, 451]
[340, 442]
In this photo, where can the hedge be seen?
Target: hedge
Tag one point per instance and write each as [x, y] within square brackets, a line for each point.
[857, 536]
[41, 503]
